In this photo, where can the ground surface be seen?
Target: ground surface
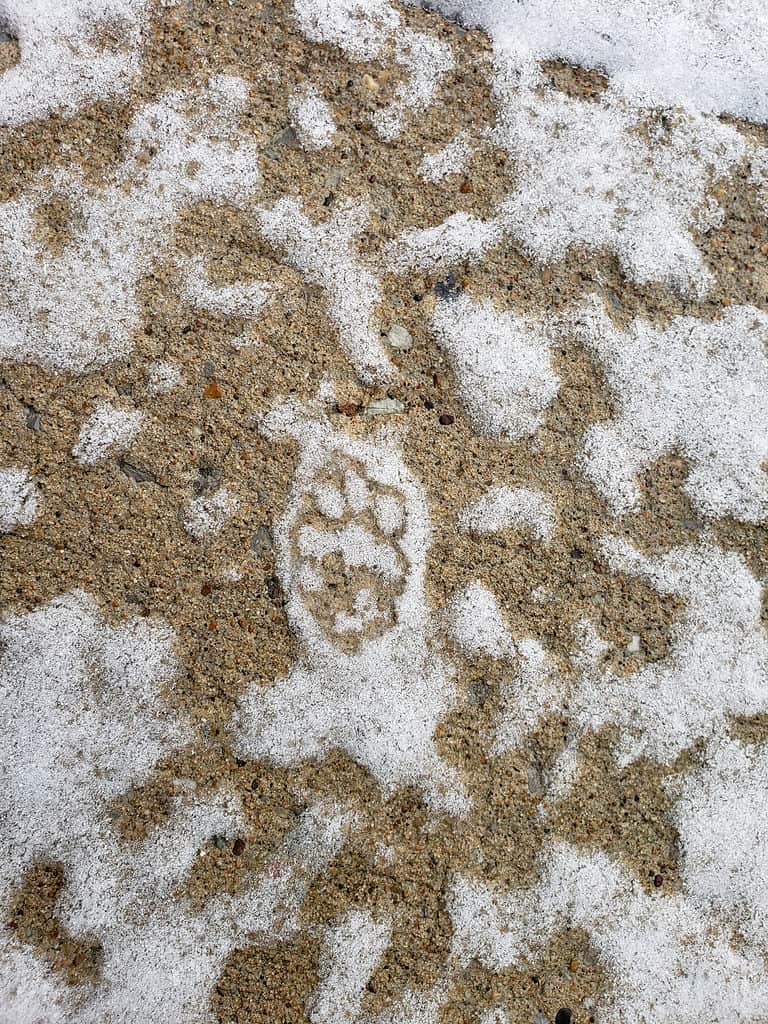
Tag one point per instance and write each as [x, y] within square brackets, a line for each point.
[384, 625]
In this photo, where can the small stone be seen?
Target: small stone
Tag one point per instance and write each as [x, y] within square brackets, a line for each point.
[633, 647]
[238, 847]
[478, 693]
[34, 420]
[573, 966]
[136, 473]
[563, 1015]
[446, 419]
[370, 84]
[384, 407]
[658, 881]
[399, 338]
[220, 842]
[212, 390]
[546, 275]
[465, 186]
[348, 408]
[448, 288]
[261, 541]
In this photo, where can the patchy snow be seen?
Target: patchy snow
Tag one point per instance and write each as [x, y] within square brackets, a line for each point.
[244, 300]
[163, 377]
[206, 515]
[459, 237]
[665, 53]
[18, 499]
[109, 430]
[451, 159]
[78, 311]
[476, 623]
[382, 700]
[501, 508]
[722, 818]
[60, 69]
[359, 27]
[312, 118]
[664, 961]
[503, 366]
[324, 254]
[699, 389]
[427, 60]
[351, 953]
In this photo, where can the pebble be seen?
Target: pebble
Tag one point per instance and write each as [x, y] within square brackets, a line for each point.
[370, 84]
[563, 1016]
[261, 541]
[384, 407]
[446, 419]
[399, 338]
[633, 647]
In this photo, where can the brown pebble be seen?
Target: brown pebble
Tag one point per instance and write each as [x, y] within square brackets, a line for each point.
[238, 846]
[446, 419]
[348, 408]
[212, 390]
[658, 881]
[546, 275]
[465, 187]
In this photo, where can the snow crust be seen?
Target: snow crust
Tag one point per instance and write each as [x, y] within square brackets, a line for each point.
[110, 429]
[503, 507]
[18, 498]
[207, 515]
[312, 118]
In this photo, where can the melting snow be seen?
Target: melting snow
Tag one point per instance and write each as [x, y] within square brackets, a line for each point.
[18, 499]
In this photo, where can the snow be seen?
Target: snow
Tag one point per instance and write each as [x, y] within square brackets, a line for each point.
[476, 623]
[664, 961]
[459, 237]
[427, 59]
[18, 498]
[667, 53]
[324, 254]
[60, 69]
[163, 377]
[207, 515]
[502, 363]
[501, 508]
[359, 27]
[109, 430]
[351, 953]
[79, 310]
[244, 300]
[698, 389]
[383, 700]
[312, 118]
[452, 159]
[722, 818]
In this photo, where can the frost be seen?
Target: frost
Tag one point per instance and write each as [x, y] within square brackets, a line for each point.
[503, 366]
[323, 253]
[18, 499]
[503, 507]
[244, 300]
[476, 623]
[370, 678]
[107, 431]
[163, 378]
[207, 515]
[352, 951]
[722, 818]
[460, 237]
[311, 117]
[665, 961]
[79, 311]
[452, 159]
[427, 60]
[59, 68]
[666, 53]
[359, 27]
[698, 388]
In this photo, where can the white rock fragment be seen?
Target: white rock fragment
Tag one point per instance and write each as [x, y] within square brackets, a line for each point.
[503, 507]
[207, 515]
[18, 499]
[698, 388]
[324, 254]
[503, 366]
[399, 338]
[664, 960]
[109, 430]
[312, 119]
[452, 159]
[384, 407]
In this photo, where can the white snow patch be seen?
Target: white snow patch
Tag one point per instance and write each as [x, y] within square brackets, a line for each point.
[323, 253]
[163, 377]
[698, 388]
[359, 27]
[351, 953]
[427, 59]
[451, 159]
[503, 366]
[665, 53]
[243, 300]
[207, 515]
[109, 430]
[312, 118]
[18, 499]
[383, 701]
[475, 621]
[501, 508]
[666, 961]
[722, 818]
[459, 237]
[78, 310]
[59, 68]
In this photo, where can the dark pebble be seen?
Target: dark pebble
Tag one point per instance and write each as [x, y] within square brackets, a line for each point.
[446, 419]
[563, 1016]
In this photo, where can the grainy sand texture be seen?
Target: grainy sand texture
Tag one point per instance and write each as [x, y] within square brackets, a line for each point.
[383, 512]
